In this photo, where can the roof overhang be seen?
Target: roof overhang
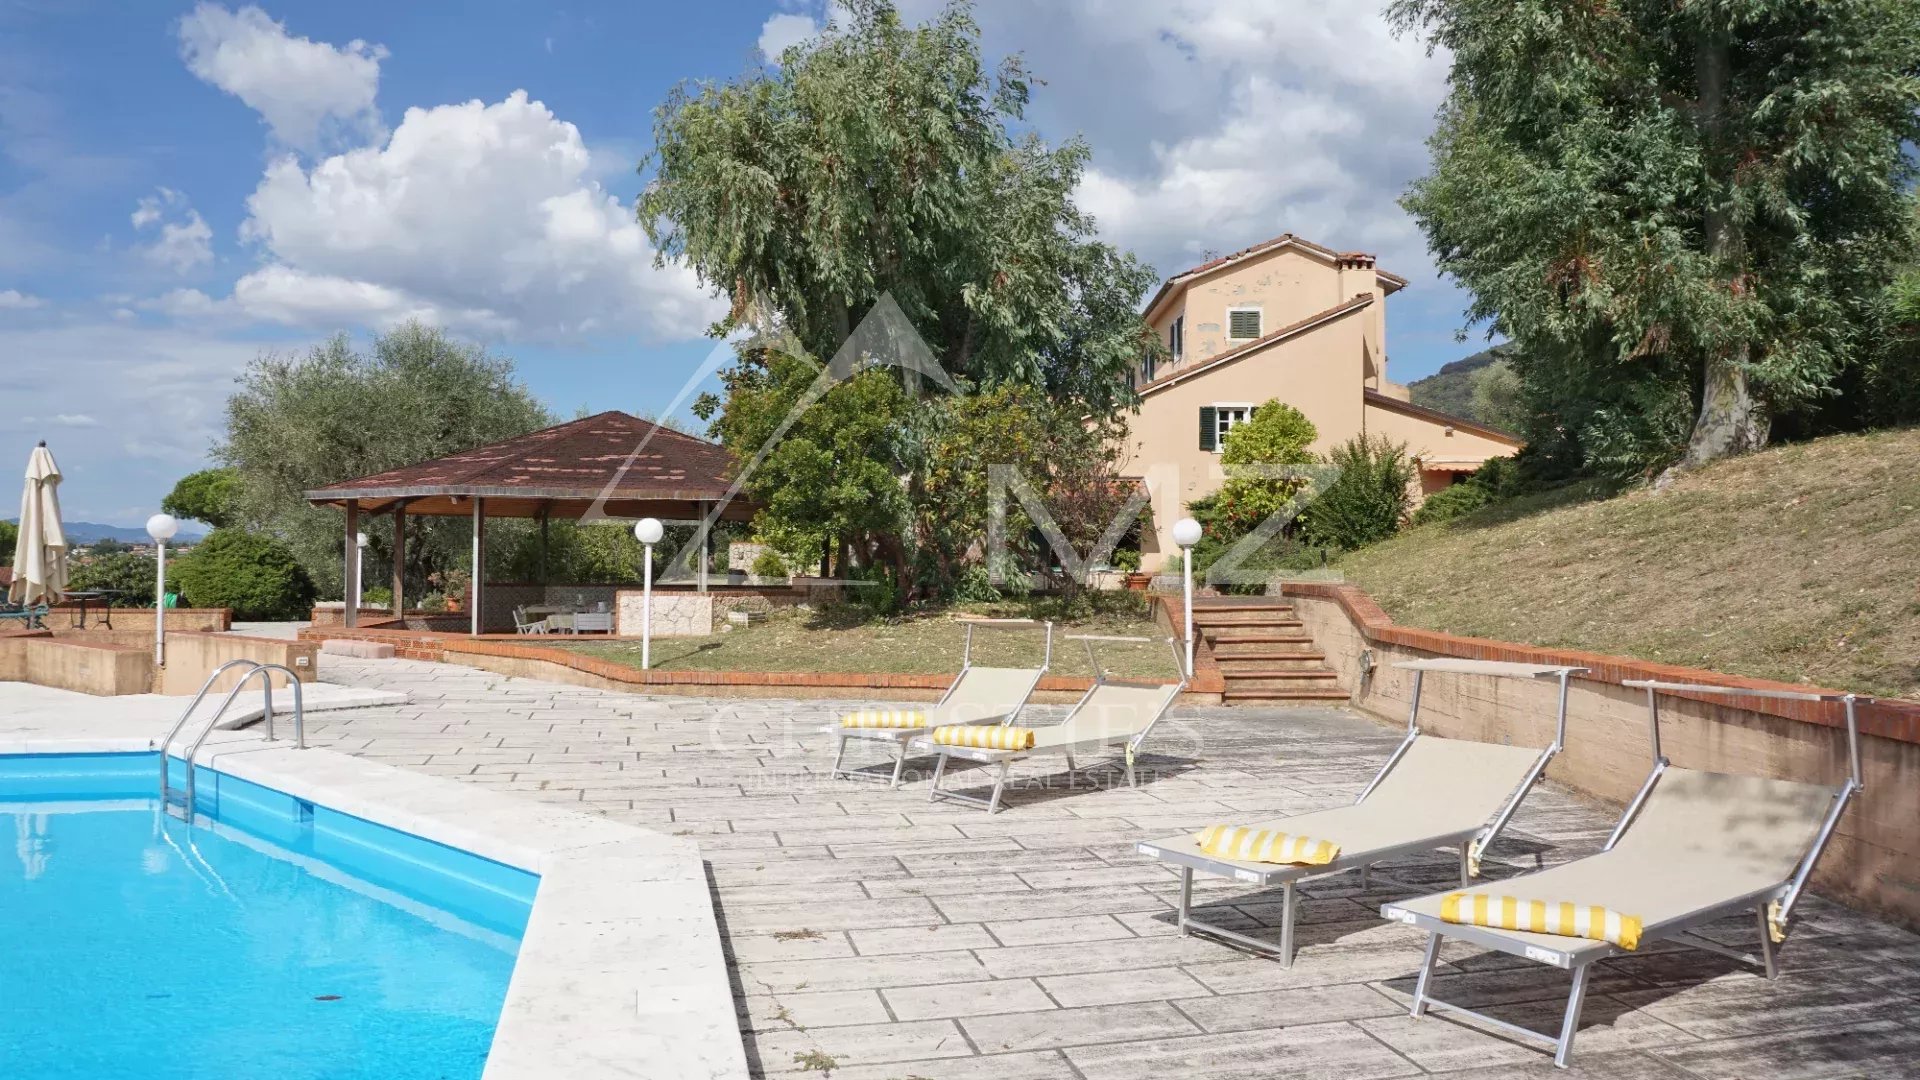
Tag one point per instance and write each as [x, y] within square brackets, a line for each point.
[563, 504]
[1376, 399]
[1179, 283]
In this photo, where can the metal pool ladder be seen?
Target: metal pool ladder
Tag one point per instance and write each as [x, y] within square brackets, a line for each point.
[254, 667]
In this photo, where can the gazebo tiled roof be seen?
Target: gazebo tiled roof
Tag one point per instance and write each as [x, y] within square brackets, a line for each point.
[631, 467]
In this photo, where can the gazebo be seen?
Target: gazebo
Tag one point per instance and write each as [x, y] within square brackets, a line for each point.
[608, 465]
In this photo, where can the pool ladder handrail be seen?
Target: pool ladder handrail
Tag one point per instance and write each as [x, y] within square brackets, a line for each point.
[254, 667]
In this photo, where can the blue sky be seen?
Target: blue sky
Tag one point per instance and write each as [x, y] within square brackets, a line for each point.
[183, 186]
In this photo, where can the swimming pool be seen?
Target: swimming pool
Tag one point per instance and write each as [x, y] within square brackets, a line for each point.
[273, 938]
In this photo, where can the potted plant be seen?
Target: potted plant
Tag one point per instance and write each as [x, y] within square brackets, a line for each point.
[454, 585]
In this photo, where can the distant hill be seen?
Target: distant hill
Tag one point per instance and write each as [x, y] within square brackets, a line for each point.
[82, 533]
[1450, 389]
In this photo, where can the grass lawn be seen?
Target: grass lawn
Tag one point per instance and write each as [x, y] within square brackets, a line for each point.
[840, 640]
[1798, 564]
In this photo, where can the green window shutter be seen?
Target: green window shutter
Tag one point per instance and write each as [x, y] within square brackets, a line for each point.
[1209, 427]
[1243, 324]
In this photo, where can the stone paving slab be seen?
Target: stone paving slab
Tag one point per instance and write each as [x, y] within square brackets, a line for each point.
[874, 935]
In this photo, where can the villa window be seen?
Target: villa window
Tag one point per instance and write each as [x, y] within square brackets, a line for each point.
[1243, 324]
[1177, 338]
[1216, 420]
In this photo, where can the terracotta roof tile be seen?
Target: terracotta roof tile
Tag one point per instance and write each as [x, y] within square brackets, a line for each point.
[577, 459]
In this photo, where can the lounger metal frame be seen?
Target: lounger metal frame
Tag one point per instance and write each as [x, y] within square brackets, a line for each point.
[900, 737]
[1785, 894]
[1471, 843]
[1005, 759]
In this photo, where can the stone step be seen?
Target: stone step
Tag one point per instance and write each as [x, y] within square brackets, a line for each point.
[1233, 675]
[1209, 621]
[1241, 637]
[1239, 603]
[1290, 696]
[1249, 654]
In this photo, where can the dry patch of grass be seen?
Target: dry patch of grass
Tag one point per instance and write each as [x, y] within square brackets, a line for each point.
[1798, 564]
[838, 640]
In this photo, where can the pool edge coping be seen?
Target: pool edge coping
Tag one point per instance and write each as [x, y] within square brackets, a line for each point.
[621, 971]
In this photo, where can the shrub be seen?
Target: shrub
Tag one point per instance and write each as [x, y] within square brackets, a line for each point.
[769, 564]
[1449, 503]
[377, 597]
[129, 574]
[1368, 501]
[255, 575]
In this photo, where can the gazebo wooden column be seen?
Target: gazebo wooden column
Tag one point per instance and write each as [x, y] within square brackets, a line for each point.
[479, 559]
[399, 559]
[351, 616]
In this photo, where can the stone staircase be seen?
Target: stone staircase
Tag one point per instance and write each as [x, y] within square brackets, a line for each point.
[1265, 654]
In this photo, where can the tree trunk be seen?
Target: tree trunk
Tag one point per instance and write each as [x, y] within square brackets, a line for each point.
[1730, 421]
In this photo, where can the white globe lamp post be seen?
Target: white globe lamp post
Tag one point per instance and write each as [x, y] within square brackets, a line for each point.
[162, 528]
[648, 531]
[1186, 533]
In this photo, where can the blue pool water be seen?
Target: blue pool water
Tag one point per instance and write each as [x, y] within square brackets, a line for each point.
[272, 939]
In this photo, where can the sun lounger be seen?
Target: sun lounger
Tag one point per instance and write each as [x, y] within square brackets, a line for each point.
[1113, 712]
[1691, 848]
[1431, 793]
[978, 695]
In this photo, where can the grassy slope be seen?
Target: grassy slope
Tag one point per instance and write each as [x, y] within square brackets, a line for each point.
[795, 640]
[1801, 563]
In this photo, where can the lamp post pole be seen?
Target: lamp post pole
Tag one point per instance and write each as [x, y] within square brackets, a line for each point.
[1186, 533]
[161, 527]
[648, 531]
[359, 569]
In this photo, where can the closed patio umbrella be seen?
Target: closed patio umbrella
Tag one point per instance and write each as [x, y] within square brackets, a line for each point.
[40, 562]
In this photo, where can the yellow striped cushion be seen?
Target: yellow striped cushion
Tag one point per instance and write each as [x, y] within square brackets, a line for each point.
[885, 718]
[1542, 917]
[984, 737]
[1265, 845]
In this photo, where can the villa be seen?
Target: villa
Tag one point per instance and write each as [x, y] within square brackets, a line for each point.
[1291, 320]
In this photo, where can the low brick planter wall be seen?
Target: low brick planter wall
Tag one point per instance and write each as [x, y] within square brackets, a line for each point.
[1874, 860]
[514, 655]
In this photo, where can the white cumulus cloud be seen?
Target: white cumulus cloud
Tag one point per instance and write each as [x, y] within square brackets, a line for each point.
[784, 30]
[1220, 123]
[483, 217]
[308, 92]
[15, 300]
[183, 240]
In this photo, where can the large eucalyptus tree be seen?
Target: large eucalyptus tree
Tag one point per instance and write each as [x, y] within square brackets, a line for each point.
[1678, 208]
[880, 159]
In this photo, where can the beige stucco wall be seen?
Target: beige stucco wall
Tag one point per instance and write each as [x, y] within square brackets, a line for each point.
[1431, 440]
[191, 657]
[1874, 860]
[1287, 286]
[89, 668]
[1318, 373]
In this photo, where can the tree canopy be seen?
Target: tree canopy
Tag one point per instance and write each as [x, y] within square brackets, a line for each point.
[210, 495]
[303, 420]
[1680, 212]
[877, 162]
[877, 159]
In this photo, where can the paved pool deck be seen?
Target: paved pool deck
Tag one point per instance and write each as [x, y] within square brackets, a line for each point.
[874, 936]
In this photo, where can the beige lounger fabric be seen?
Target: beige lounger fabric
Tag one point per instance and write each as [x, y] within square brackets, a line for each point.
[1440, 787]
[983, 695]
[1110, 714]
[1702, 839]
